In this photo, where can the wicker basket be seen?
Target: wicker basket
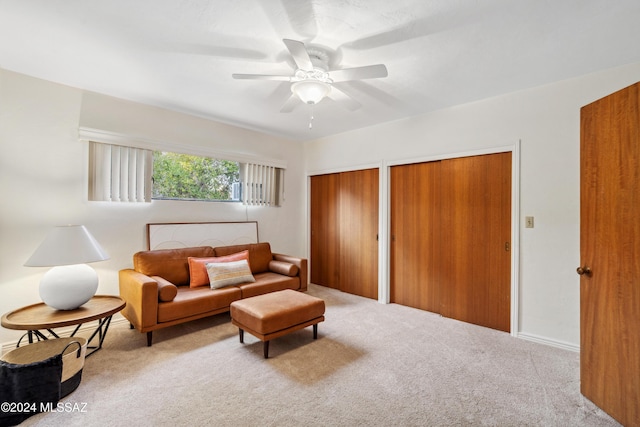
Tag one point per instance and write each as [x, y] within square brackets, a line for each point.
[74, 350]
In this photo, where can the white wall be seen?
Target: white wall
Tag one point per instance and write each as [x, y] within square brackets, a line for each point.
[547, 121]
[43, 181]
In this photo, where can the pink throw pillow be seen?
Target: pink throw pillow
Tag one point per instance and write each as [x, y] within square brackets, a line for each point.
[198, 275]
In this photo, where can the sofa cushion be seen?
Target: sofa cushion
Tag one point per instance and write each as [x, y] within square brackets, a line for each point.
[194, 301]
[198, 275]
[170, 264]
[268, 282]
[285, 268]
[259, 254]
[167, 291]
[223, 274]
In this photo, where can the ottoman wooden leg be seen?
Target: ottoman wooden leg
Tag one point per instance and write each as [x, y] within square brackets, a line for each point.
[315, 331]
[241, 332]
[266, 349]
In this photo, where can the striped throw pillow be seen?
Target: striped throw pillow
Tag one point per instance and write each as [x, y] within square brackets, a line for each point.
[229, 273]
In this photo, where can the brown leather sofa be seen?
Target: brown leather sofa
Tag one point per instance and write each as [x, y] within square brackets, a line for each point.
[158, 292]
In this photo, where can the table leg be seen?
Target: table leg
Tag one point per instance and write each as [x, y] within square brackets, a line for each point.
[39, 335]
[54, 334]
[101, 331]
[75, 330]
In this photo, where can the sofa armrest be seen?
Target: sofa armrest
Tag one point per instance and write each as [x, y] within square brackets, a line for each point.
[141, 294]
[302, 268]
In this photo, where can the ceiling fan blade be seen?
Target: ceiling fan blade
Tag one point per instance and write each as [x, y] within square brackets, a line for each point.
[344, 99]
[359, 73]
[299, 53]
[291, 103]
[261, 77]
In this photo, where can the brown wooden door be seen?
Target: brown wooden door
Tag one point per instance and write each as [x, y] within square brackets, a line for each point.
[451, 238]
[344, 230]
[476, 240]
[610, 249]
[415, 236]
[325, 253]
[359, 232]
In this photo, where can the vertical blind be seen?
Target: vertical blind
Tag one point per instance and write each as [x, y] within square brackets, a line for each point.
[261, 185]
[119, 174]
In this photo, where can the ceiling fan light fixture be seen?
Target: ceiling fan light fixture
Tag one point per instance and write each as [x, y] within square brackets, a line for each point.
[311, 91]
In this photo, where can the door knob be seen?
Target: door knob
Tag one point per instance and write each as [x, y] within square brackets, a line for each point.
[583, 270]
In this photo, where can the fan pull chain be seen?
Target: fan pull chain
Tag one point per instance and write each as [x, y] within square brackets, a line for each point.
[311, 118]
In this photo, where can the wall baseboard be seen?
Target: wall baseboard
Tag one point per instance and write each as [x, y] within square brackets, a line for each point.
[553, 343]
[65, 332]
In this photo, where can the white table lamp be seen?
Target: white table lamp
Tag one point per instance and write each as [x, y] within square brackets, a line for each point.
[70, 283]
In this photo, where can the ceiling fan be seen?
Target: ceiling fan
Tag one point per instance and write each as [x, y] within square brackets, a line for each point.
[312, 80]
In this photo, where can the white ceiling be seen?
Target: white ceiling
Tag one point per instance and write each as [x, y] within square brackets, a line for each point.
[180, 54]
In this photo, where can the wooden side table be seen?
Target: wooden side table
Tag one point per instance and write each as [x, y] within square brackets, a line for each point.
[36, 317]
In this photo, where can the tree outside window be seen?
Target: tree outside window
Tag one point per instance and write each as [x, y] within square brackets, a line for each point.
[189, 177]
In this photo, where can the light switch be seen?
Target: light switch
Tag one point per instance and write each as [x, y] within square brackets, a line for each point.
[528, 221]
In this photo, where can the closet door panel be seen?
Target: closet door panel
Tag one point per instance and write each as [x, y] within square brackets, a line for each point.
[358, 232]
[325, 236]
[416, 235]
[344, 229]
[476, 239]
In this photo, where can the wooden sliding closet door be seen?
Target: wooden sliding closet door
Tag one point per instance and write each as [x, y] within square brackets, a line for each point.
[325, 253]
[344, 231]
[415, 235]
[359, 232]
[476, 240]
[451, 238]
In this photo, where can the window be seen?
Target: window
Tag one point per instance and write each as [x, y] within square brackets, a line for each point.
[127, 174]
[190, 177]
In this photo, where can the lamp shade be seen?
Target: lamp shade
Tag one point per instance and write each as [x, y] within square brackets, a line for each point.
[67, 245]
[311, 91]
[70, 283]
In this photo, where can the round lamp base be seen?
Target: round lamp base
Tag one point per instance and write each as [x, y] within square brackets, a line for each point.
[67, 287]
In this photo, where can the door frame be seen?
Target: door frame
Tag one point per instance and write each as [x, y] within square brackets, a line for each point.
[384, 291]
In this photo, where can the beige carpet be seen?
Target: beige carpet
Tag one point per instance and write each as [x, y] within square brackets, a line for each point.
[372, 365]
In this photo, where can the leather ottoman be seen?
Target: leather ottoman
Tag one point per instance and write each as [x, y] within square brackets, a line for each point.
[276, 314]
